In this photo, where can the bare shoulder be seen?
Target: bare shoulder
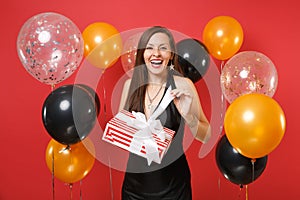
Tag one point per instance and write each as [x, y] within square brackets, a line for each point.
[183, 82]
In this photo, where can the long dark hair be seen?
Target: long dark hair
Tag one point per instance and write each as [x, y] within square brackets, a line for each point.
[139, 81]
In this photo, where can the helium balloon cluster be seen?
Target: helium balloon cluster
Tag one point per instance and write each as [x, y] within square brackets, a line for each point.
[254, 126]
[51, 47]
[254, 122]
[237, 168]
[69, 114]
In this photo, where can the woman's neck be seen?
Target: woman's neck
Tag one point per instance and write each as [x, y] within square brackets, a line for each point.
[157, 79]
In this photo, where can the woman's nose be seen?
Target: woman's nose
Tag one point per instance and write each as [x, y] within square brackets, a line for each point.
[156, 52]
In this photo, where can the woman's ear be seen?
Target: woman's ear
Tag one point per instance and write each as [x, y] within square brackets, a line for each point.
[171, 60]
[172, 56]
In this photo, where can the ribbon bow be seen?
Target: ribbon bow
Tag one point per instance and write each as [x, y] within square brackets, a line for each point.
[146, 129]
[144, 135]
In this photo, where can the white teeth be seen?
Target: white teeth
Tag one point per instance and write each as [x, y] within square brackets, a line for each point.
[156, 62]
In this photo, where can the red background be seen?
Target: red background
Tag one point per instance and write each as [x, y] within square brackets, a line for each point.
[270, 27]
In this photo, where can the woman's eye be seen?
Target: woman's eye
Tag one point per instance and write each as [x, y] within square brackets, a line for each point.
[163, 48]
[149, 48]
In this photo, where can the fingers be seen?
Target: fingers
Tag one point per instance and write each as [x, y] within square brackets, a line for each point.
[177, 93]
[182, 105]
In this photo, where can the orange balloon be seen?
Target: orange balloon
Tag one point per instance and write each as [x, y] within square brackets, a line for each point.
[223, 36]
[254, 124]
[102, 44]
[70, 164]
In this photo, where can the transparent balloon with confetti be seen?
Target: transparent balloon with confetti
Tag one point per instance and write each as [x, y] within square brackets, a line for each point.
[248, 72]
[50, 47]
[129, 51]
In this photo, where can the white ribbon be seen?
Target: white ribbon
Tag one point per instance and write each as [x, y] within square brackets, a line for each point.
[146, 128]
[144, 135]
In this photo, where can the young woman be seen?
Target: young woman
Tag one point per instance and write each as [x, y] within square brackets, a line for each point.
[156, 69]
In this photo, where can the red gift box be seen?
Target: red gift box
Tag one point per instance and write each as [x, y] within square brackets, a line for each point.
[122, 130]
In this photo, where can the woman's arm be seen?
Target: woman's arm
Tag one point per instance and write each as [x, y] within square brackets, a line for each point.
[188, 104]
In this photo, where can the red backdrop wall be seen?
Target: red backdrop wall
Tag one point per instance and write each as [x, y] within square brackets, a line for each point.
[269, 27]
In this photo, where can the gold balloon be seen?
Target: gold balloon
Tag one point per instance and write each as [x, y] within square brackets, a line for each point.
[70, 163]
[223, 36]
[254, 124]
[102, 44]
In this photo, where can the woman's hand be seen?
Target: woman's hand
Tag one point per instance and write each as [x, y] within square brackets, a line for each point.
[183, 101]
[188, 104]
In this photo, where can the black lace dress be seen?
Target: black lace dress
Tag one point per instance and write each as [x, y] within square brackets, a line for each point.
[169, 180]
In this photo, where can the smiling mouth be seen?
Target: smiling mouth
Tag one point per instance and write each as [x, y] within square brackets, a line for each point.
[156, 63]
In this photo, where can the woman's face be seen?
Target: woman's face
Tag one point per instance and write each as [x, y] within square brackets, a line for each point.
[157, 53]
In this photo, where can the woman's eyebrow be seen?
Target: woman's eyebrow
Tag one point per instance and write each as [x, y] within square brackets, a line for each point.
[162, 44]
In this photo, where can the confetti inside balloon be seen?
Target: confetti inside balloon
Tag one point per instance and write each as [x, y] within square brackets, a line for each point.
[248, 72]
[50, 47]
[129, 53]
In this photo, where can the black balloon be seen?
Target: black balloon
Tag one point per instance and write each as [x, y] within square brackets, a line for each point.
[193, 57]
[69, 114]
[93, 94]
[235, 167]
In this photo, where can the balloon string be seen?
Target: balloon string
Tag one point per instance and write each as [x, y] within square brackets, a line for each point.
[71, 191]
[222, 64]
[241, 188]
[219, 187]
[52, 87]
[110, 179]
[104, 96]
[252, 162]
[80, 192]
[53, 192]
[109, 164]
[68, 148]
[222, 103]
[246, 192]
[222, 107]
